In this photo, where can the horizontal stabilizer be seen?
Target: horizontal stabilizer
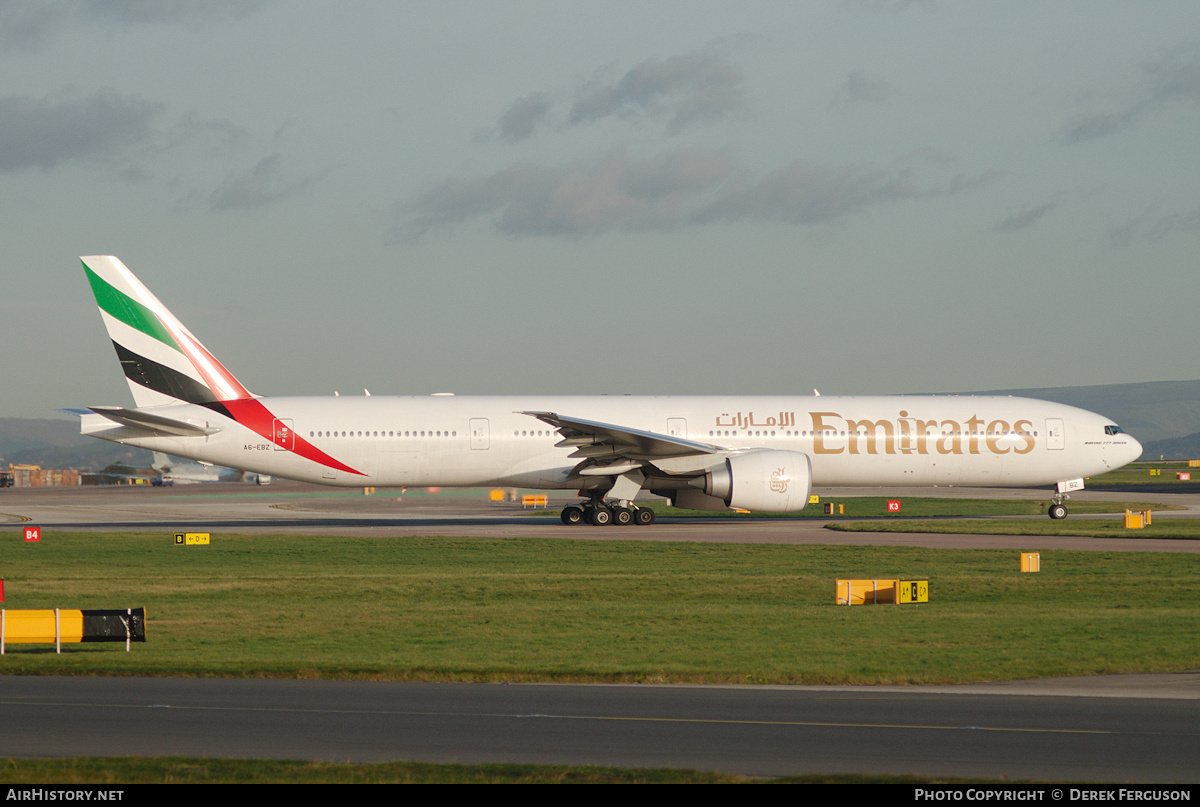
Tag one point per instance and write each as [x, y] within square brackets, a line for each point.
[158, 424]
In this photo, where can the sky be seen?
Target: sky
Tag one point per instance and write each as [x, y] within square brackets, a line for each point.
[861, 197]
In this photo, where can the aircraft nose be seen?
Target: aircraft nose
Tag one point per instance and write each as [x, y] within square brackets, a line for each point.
[1135, 450]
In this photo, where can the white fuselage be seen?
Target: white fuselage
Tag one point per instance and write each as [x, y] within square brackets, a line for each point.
[485, 441]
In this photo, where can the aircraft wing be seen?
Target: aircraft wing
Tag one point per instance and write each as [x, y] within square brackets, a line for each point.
[607, 448]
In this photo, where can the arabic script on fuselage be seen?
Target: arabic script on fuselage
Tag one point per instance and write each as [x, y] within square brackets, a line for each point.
[832, 433]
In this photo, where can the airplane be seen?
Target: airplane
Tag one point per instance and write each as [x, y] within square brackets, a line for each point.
[761, 454]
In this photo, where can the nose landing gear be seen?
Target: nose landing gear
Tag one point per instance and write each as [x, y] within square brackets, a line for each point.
[1058, 509]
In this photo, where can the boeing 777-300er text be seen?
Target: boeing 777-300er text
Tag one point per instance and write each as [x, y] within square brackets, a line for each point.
[705, 453]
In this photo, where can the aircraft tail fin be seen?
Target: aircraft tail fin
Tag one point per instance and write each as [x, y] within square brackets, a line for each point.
[163, 362]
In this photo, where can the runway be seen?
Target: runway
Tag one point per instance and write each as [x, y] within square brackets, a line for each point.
[1113, 728]
[1151, 733]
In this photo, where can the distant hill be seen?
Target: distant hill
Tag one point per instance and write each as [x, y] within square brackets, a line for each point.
[1151, 411]
[20, 434]
[1177, 448]
[54, 443]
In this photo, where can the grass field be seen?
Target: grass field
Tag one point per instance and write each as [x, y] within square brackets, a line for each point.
[529, 609]
[1151, 473]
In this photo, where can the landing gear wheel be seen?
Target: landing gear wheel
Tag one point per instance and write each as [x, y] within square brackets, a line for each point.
[572, 514]
[622, 516]
[601, 516]
[643, 516]
[1057, 511]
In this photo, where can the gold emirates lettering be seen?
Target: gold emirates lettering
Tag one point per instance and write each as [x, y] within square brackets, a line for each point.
[834, 434]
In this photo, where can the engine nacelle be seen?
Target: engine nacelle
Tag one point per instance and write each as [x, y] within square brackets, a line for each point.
[767, 481]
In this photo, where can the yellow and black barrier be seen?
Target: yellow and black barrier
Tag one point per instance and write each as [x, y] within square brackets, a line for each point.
[873, 592]
[61, 625]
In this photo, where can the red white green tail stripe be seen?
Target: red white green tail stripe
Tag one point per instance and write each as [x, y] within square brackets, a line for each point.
[165, 364]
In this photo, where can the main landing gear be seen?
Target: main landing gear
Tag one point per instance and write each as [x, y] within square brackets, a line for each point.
[601, 515]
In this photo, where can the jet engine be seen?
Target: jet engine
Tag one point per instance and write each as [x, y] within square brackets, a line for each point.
[769, 481]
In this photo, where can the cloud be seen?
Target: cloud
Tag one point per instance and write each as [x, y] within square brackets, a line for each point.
[614, 192]
[804, 193]
[168, 12]
[1172, 80]
[41, 133]
[261, 186]
[1025, 218]
[29, 26]
[524, 116]
[891, 6]
[682, 188]
[1151, 226]
[693, 88]
[859, 88]
[216, 136]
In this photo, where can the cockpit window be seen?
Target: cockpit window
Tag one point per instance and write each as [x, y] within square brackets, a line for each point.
[1113, 430]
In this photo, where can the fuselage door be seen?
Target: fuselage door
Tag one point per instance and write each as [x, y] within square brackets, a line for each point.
[480, 436]
[1055, 434]
[282, 435]
[677, 427]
